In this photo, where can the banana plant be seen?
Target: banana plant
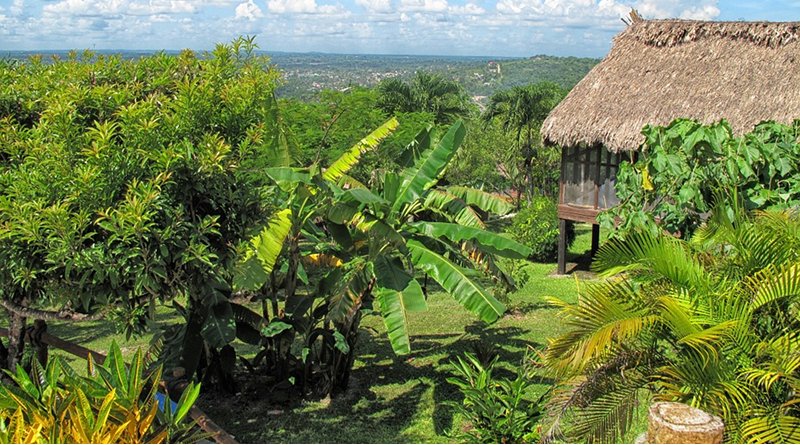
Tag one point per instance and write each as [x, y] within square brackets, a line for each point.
[380, 238]
[408, 225]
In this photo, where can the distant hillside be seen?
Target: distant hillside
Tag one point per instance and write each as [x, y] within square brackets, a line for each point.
[565, 71]
[306, 74]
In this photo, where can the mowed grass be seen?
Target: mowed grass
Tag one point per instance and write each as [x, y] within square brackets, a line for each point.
[392, 398]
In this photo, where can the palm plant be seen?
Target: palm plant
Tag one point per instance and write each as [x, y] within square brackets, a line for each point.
[521, 111]
[710, 322]
[427, 92]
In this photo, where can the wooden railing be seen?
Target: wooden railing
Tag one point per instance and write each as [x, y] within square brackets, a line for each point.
[203, 421]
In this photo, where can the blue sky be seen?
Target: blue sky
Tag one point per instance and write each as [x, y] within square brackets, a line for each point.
[453, 27]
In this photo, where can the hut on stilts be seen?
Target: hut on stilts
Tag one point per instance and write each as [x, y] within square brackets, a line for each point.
[658, 71]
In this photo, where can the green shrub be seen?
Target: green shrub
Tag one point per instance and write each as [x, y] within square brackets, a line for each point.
[113, 404]
[127, 183]
[495, 409]
[684, 166]
[536, 226]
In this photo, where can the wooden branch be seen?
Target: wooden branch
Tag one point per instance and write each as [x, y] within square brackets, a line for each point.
[62, 315]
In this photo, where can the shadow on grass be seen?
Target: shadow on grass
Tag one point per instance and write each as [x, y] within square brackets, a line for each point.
[432, 355]
[391, 398]
[98, 334]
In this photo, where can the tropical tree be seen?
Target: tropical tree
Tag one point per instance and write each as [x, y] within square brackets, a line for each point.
[373, 241]
[709, 322]
[124, 184]
[426, 92]
[521, 111]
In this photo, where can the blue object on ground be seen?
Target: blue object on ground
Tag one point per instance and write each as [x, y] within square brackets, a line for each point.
[161, 397]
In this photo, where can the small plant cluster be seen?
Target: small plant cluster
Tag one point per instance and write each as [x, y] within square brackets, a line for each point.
[496, 410]
[112, 403]
[536, 226]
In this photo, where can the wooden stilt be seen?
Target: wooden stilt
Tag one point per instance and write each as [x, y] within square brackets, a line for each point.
[595, 238]
[562, 246]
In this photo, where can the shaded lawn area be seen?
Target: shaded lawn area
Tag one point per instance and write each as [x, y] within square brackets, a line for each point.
[392, 398]
[400, 399]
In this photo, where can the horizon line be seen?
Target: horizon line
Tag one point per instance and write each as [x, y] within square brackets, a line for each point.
[262, 51]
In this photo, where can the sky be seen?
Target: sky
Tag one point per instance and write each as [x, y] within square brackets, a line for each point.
[515, 28]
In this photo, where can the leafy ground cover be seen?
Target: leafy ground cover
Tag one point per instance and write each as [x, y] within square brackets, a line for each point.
[392, 398]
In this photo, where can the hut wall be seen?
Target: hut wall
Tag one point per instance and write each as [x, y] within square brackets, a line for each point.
[587, 179]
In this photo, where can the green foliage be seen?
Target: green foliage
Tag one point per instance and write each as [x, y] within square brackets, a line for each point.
[536, 226]
[362, 246]
[520, 111]
[684, 165]
[426, 92]
[128, 183]
[707, 322]
[333, 122]
[483, 160]
[113, 403]
[496, 410]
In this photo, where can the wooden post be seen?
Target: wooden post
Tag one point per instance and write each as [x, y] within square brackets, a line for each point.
[562, 246]
[595, 238]
[671, 422]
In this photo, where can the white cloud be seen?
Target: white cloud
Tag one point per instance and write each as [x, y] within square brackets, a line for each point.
[467, 9]
[602, 13]
[249, 11]
[17, 7]
[292, 6]
[707, 12]
[375, 5]
[100, 8]
[162, 7]
[490, 27]
[686, 9]
[424, 5]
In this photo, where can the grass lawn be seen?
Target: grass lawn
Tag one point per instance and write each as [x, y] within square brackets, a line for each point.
[392, 399]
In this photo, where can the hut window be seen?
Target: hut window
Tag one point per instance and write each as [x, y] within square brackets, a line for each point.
[579, 177]
[588, 175]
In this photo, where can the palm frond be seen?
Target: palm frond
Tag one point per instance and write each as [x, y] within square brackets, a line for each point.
[775, 283]
[426, 172]
[607, 418]
[652, 256]
[351, 157]
[456, 282]
[771, 427]
[605, 315]
[485, 201]
[452, 208]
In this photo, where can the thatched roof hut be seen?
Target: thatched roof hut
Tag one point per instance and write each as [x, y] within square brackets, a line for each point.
[660, 70]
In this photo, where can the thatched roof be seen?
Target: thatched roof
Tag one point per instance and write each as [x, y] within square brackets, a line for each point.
[660, 70]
